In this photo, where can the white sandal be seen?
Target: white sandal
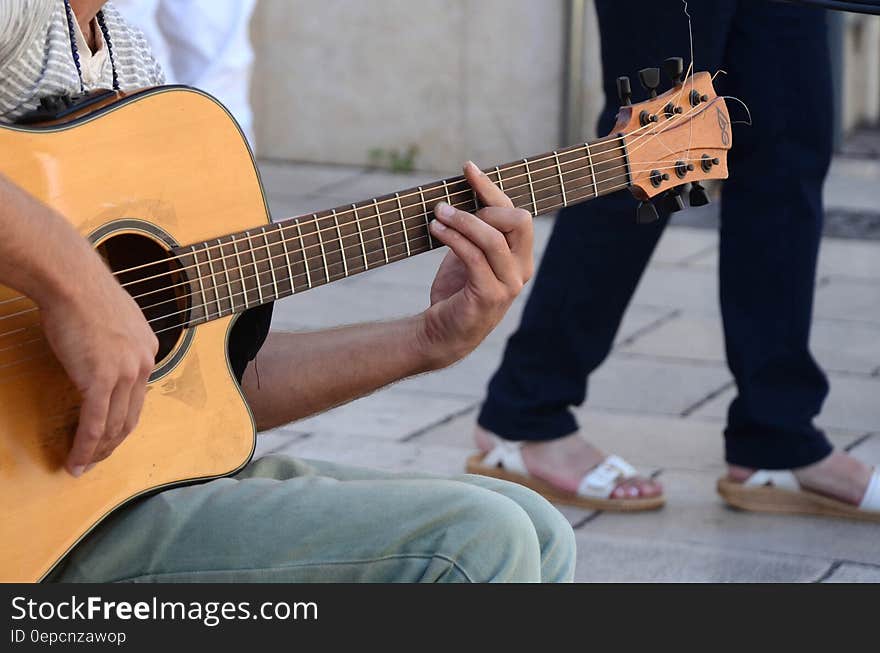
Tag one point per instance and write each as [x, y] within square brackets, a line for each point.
[505, 461]
[779, 491]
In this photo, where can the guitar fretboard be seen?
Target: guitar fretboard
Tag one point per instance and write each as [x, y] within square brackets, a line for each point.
[240, 271]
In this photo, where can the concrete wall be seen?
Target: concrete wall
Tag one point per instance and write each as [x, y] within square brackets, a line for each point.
[861, 65]
[479, 79]
[460, 79]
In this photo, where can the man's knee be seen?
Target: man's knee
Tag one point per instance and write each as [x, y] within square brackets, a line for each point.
[555, 534]
[490, 538]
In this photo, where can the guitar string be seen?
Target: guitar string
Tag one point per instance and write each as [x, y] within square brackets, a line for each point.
[552, 179]
[534, 190]
[210, 315]
[620, 144]
[340, 240]
[617, 143]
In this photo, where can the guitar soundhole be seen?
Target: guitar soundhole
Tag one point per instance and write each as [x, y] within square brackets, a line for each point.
[156, 281]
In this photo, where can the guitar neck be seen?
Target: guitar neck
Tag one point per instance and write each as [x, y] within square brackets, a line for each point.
[240, 271]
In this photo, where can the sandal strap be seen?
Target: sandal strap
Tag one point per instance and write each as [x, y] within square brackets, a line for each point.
[780, 478]
[507, 455]
[602, 479]
[871, 500]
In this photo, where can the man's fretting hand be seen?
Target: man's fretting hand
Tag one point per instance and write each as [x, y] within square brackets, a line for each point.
[489, 262]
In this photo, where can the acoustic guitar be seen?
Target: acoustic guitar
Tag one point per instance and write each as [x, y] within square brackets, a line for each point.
[172, 199]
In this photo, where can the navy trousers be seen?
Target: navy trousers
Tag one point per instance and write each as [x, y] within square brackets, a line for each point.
[777, 61]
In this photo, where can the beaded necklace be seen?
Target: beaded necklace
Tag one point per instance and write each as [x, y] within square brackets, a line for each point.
[71, 20]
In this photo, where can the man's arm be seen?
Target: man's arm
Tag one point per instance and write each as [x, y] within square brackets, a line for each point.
[296, 375]
[93, 326]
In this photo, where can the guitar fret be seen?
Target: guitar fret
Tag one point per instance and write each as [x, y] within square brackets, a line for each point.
[531, 187]
[381, 229]
[561, 180]
[226, 274]
[341, 247]
[500, 180]
[321, 243]
[302, 245]
[403, 222]
[271, 264]
[361, 234]
[426, 213]
[592, 170]
[201, 282]
[287, 260]
[259, 283]
[244, 290]
[446, 190]
[213, 279]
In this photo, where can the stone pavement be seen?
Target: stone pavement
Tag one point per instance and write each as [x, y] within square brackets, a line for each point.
[659, 400]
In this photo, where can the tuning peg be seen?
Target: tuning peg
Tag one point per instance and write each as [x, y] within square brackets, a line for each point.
[698, 196]
[674, 67]
[624, 90]
[671, 201]
[650, 79]
[646, 213]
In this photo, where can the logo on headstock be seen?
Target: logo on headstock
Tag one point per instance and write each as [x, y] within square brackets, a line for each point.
[724, 123]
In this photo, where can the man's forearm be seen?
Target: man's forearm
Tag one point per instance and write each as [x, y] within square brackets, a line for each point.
[299, 374]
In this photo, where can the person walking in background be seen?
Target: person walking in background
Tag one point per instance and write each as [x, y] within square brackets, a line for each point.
[777, 61]
[201, 43]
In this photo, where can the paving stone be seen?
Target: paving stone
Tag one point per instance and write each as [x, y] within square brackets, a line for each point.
[287, 179]
[389, 414]
[685, 336]
[640, 320]
[342, 303]
[691, 288]
[843, 299]
[846, 346]
[694, 514]
[363, 450]
[617, 559]
[851, 405]
[838, 346]
[680, 244]
[848, 258]
[649, 386]
[467, 378]
[455, 432]
[837, 257]
[852, 184]
[277, 441]
[852, 573]
[868, 450]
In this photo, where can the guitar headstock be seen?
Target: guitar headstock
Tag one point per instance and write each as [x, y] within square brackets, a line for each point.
[674, 139]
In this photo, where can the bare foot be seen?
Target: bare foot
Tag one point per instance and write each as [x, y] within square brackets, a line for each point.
[565, 461]
[839, 476]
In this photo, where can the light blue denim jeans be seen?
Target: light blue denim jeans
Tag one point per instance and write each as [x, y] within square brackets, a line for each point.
[288, 520]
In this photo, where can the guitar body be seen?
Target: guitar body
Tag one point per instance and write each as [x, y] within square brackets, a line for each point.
[162, 167]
